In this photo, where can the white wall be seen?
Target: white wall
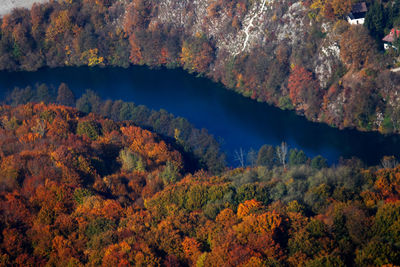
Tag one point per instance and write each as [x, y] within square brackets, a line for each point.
[356, 21]
[387, 46]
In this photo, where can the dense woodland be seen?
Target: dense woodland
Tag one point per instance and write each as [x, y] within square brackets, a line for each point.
[360, 93]
[93, 182]
[200, 149]
[79, 189]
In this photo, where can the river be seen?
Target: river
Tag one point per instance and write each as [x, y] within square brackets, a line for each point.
[237, 121]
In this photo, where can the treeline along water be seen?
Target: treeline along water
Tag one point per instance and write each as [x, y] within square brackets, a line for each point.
[239, 122]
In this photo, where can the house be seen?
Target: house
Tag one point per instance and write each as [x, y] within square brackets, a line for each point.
[357, 14]
[390, 38]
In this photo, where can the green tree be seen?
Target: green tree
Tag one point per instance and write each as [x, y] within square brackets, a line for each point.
[89, 128]
[131, 161]
[43, 94]
[319, 162]
[375, 21]
[196, 197]
[387, 223]
[80, 194]
[377, 253]
[297, 157]
[20, 96]
[170, 173]
[89, 102]
[392, 14]
[65, 95]
[327, 261]
[266, 156]
[251, 157]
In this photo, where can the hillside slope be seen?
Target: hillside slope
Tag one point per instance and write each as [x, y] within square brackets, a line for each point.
[6, 6]
[294, 55]
[80, 190]
[283, 52]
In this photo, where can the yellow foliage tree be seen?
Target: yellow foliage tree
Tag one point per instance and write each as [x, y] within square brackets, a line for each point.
[92, 57]
[59, 25]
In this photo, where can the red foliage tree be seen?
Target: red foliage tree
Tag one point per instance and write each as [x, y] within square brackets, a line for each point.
[304, 90]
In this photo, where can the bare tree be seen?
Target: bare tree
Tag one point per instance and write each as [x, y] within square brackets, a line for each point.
[281, 152]
[239, 156]
[389, 162]
[252, 157]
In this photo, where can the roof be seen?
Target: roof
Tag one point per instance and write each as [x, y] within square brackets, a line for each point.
[359, 8]
[391, 36]
[356, 16]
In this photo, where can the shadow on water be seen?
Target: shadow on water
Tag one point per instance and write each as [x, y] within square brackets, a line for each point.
[240, 122]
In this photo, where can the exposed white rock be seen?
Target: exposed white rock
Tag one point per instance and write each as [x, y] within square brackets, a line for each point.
[379, 119]
[250, 25]
[294, 26]
[328, 55]
[335, 107]
[269, 22]
[257, 23]
[6, 6]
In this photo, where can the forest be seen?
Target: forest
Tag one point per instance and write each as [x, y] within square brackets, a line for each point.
[353, 87]
[93, 182]
[201, 149]
[80, 189]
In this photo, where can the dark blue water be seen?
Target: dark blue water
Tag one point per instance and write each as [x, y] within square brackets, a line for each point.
[240, 122]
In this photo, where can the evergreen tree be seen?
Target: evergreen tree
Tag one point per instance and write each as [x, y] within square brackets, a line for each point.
[89, 102]
[319, 162]
[43, 94]
[266, 156]
[392, 15]
[375, 21]
[297, 157]
[65, 95]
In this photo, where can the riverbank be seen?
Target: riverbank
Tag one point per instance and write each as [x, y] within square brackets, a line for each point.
[210, 106]
[8, 5]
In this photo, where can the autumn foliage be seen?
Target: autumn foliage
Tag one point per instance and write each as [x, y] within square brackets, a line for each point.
[78, 189]
[303, 89]
[120, 33]
[357, 47]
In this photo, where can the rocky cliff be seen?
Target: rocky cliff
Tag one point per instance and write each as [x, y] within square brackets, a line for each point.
[295, 55]
[6, 6]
